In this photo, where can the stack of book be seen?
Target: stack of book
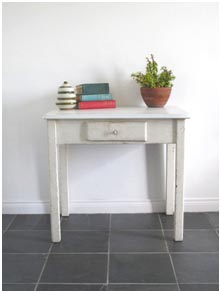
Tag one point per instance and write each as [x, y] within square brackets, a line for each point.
[94, 96]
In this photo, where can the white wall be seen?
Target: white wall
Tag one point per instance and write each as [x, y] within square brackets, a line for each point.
[47, 43]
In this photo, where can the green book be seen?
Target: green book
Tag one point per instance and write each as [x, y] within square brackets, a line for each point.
[92, 88]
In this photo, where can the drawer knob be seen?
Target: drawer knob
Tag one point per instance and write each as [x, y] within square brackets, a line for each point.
[115, 132]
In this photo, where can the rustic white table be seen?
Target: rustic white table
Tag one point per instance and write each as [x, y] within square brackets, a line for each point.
[123, 125]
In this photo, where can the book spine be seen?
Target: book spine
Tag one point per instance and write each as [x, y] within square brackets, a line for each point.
[102, 97]
[78, 90]
[93, 89]
[97, 104]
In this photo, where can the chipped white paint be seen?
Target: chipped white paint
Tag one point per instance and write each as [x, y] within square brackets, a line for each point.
[112, 126]
[116, 131]
[128, 131]
[170, 179]
[120, 113]
[54, 186]
[63, 180]
[179, 202]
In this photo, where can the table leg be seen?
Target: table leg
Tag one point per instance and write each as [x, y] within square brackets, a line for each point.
[170, 179]
[63, 180]
[179, 202]
[53, 178]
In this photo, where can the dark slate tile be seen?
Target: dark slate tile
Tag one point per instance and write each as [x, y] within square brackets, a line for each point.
[140, 268]
[71, 287]
[191, 221]
[82, 241]
[196, 268]
[137, 241]
[86, 222]
[22, 268]
[6, 220]
[199, 287]
[143, 287]
[135, 221]
[26, 241]
[18, 287]
[75, 268]
[213, 219]
[194, 241]
[31, 222]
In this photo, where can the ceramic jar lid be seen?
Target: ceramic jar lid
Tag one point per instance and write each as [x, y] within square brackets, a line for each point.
[65, 88]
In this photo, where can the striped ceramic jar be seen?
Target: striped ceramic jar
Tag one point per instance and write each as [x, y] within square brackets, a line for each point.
[66, 97]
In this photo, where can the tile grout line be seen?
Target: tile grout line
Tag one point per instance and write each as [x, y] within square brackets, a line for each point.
[63, 283]
[9, 224]
[108, 255]
[88, 230]
[98, 230]
[105, 230]
[200, 283]
[174, 272]
[195, 230]
[17, 283]
[211, 224]
[42, 270]
[29, 230]
[46, 260]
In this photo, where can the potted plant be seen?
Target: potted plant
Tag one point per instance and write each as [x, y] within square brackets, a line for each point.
[155, 86]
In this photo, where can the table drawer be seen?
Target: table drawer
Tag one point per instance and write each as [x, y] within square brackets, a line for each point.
[116, 131]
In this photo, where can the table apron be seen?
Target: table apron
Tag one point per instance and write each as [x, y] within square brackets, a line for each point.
[127, 131]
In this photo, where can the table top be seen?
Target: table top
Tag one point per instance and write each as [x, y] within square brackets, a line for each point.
[119, 113]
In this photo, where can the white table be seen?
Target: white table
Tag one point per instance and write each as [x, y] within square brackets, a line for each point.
[126, 125]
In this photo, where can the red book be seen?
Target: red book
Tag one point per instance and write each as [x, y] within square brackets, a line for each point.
[97, 104]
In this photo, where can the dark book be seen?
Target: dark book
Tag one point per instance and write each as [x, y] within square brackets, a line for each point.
[92, 88]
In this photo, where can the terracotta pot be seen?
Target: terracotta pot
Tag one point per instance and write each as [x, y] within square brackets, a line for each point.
[155, 97]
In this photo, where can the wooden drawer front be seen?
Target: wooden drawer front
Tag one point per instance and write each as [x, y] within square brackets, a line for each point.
[117, 131]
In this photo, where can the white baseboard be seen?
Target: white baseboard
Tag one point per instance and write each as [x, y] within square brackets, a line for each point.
[148, 206]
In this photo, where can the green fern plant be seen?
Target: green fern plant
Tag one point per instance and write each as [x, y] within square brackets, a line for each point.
[153, 78]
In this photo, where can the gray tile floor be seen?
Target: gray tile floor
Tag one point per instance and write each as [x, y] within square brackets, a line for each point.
[118, 252]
